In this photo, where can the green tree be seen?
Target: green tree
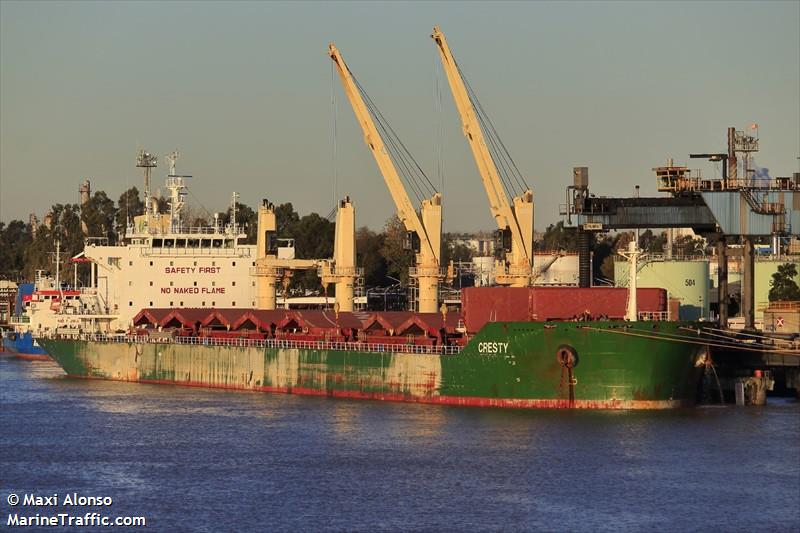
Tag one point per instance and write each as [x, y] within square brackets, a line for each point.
[783, 286]
[14, 240]
[66, 227]
[455, 251]
[285, 216]
[368, 257]
[397, 258]
[688, 245]
[652, 243]
[603, 256]
[128, 207]
[245, 218]
[99, 215]
[313, 238]
[556, 237]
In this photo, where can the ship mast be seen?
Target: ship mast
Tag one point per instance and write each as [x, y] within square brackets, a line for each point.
[178, 191]
[632, 255]
[146, 161]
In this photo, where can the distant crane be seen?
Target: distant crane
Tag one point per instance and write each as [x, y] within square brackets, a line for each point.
[426, 225]
[515, 219]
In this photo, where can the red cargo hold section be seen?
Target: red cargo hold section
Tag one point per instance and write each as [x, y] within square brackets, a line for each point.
[504, 304]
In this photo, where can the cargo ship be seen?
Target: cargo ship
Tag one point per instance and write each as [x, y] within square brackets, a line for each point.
[413, 357]
[45, 293]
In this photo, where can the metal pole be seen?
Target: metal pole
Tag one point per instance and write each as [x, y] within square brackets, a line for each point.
[748, 285]
[722, 281]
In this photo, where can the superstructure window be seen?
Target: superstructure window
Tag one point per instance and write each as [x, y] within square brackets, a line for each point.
[151, 264]
[180, 243]
[233, 263]
[157, 243]
[233, 283]
[233, 304]
[130, 263]
[151, 283]
[151, 304]
[130, 304]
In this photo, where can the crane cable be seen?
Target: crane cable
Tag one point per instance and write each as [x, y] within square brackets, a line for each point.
[408, 168]
[507, 168]
[400, 155]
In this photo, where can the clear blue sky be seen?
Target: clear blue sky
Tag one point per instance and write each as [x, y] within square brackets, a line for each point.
[244, 90]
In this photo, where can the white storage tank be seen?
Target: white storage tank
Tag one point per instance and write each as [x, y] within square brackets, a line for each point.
[558, 269]
[686, 280]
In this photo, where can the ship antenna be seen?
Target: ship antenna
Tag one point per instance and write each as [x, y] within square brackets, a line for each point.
[234, 197]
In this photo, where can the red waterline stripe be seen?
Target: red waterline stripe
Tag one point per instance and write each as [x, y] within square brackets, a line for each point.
[31, 356]
[466, 401]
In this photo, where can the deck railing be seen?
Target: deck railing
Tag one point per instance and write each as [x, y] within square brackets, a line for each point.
[268, 343]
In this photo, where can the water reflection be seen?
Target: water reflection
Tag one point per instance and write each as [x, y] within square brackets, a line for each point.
[310, 463]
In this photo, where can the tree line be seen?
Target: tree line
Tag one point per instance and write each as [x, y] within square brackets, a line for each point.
[383, 256]
[24, 249]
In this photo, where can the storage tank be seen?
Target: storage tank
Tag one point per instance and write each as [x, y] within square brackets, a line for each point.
[482, 267]
[559, 270]
[688, 281]
[765, 268]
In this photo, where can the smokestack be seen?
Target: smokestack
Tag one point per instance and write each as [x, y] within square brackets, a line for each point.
[34, 222]
[85, 191]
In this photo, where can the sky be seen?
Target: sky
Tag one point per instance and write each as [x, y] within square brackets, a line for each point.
[246, 92]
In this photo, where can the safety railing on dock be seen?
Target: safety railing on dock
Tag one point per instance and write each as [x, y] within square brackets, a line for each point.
[269, 343]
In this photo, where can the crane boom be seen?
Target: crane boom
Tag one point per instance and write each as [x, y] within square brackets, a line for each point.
[428, 223]
[504, 214]
[405, 209]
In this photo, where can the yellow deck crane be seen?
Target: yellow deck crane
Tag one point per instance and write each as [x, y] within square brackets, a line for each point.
[426, 225]
[514, 219]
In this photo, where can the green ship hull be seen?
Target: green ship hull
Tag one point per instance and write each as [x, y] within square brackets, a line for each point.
[595, 365]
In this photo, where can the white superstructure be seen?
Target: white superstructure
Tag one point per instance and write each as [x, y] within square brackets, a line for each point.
[160, 262]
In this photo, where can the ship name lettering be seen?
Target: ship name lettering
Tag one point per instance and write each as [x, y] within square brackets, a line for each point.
[492, 347]
[32, 499]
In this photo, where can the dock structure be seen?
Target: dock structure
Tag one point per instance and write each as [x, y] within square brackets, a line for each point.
[736, 207]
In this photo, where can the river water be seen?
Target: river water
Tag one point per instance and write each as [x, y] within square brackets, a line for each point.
[204, 460]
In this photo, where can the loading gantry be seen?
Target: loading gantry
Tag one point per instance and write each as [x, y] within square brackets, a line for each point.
[425, 225]
[515, 219]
